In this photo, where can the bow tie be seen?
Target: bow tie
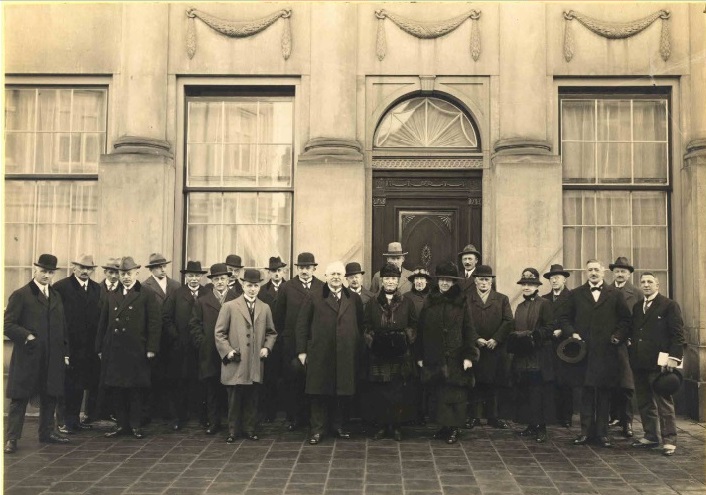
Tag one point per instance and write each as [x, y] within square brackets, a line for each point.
[596, 288]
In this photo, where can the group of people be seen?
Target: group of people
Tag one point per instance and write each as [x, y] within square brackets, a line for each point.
[415, 345]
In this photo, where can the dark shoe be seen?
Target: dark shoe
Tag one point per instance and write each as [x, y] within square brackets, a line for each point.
[644, 443]
[177, 426]
[422, 422]
[212, 430]
[11, 446]
[113, 418]
[530, 431]
[581, 440]
[566, 424]
[54, 438]
[230, 438]
[453, 437]
[380, 434]
[627, 431]
[65, 430]
[252, 436]
[397, 434]
[541, 435]
[605, 442]
[669, 449]
[442, 434]
[315, 439]
[293, 425]
[614, 422]
[344, 434]
[87, 420]
[137, 433]
[498, 423]
[116, 432]
[83, 426]
[472, 423]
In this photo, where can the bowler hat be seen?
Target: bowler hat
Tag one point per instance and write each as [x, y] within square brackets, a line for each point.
[530, 276]
[668, 382]
[470, 249]
[218, 269]
[390, 270]
[572, 350]
[193, 267]
[394, 249]
[112, 264]
[483, 271]
[47, 261]
[127, 263]
[252, 275]
[156, 259]
[420, 271]
[556, 270]
[306, 259]
[234, 260]
[448, 269]
[622, 262]
[275, 263]
[353, 268]
[85, 260]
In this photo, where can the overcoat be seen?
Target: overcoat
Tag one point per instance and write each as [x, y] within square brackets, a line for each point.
[417, 298]
[172, 286]
[631, 294]
[597, 322]
[467, 284]
[290, 299]
[129, 327]
[202, 326]
[365, 295]
[404, 286]
[660, 330]
[269, 295]
[32, 369]
[159, 363]
[535, 315]
[492, 320]
[330, 334]
[236, 331]
[570, 374]
[82, 311]
[178, 352]
[104, 290]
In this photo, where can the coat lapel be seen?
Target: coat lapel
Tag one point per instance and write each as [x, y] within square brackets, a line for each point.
[345, 303]
[243, 308]
[258, 309]
[129, 298]
[211, 301]
[605, 293]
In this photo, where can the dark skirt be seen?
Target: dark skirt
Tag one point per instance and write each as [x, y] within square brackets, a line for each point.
[534, 400]
[451, 405]
[392, 402]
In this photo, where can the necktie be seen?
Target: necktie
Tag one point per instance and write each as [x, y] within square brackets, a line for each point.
[307, 285]
[195, 294]
[45, 291]
[251, 308]
[646, 306]
[111, 287]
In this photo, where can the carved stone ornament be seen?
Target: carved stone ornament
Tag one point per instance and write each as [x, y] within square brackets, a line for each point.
[428, 30]
[238, 29]
[427, 163]
[616, 30]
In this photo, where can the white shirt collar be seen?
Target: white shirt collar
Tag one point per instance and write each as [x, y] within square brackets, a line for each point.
[81, 282]
[248, 299]
[652, 297]
[42, 287]
[621, 285]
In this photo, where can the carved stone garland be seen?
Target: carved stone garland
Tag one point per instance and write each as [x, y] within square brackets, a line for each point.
[428, 30]
[238, 29]
[616, 30]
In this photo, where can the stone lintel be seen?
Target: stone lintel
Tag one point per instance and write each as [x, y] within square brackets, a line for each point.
[324, 149]
[522, 146]
[137, 145]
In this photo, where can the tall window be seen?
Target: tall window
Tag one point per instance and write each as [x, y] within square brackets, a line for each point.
[615, 161]
[54, 137]
[239, 172]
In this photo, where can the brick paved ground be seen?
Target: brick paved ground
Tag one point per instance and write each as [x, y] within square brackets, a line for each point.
[486, 461]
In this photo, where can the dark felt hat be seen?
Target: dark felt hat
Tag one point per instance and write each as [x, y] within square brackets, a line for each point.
[470, 249]
[448, 269]
[530, 276]
[112, 264]
[156, 259]
[218, 269]
[275, 263]
[47, 261]
[483, 271]
[394, 249]
[354, 268]
[193, 267]
[668, 383]
[622, 262]
[234, 260]
[306, 259]
[127, 263]
[572, 350]
[252, 275]
[390, 270]
[556, 270]
[420, 271]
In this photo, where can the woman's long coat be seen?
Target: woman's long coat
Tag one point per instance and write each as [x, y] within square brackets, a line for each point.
[31, 369]
[130, 326]
[235, 331]
[178, 352]
[330, 335]
[203, 326]
[570, 374]
[536, 316]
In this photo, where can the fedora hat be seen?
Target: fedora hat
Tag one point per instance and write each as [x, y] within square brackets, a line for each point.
[470, 249]
[447, 269]
[483, 271]
[234, 260]
[85, 260]
[529, 276]
[394, 249]
[556, 270]
[156, 259]
[47, 261]
[252, 275]
[572, 350]
[420, 271]
[275, 263]
[112, 264]
[127, 263]
[668, 382]
[354, 268]
[306, 259]
[390, 270]
[193, 267]
[218, 269]
[622, 262]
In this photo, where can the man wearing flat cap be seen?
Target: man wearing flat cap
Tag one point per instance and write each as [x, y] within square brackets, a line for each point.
[81, 298]
[128, 339]
[34, 321]
[234, 264]
[290, 299]
[354, 276]
[394, 255]
[178, 354]
[469, 258]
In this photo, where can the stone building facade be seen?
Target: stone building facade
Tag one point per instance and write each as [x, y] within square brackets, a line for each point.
[540, 132]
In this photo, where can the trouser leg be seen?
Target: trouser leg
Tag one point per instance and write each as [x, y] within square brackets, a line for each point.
[337, 411]
[491, 404]
[72, 400]
[564, 403]
[602, 411]
[213, 402]
[588, 410]
[319, 414]
[629, 409]
[235, 406]
[135, 398]
[646, 405]
[179, 400]
[251, 398]
[92, 411]
[47, 406]
[16, 419]
[120, 405]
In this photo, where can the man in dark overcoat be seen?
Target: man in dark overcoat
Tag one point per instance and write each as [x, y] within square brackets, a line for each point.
[179, 354]
[493, 320]
[81, 298]
[657, 327]
[128, 336]
[469, 258]
[622, 407]
[203, 325]
[34, 321]
[234, 264]
[596, 313]
[110, 283]
[354, 277]
[289, 301]
[328, 336]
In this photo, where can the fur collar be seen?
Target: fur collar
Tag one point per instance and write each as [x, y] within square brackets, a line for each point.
[452, 296]
[382, 299]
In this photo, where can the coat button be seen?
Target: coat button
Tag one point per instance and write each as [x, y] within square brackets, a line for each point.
[123, 329]
[248, 344]
[247, 335]
[117, 319]
[116, 308]
[116, 330]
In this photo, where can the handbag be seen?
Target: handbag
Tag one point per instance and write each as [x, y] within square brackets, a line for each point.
[391, 344]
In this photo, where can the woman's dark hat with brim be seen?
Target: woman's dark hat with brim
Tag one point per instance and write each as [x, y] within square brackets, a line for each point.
[447, 269]
[253, 276]
[390, 270]
[420, 271]
[668, 383]
[483, 271]
[622, 262]
[156, 259]
[529, 276]
[193, 267]
[218, 269]
[572, 350]
[556, 270]
[305, 259]
[354, 268]
[47, 261]
[275, 263]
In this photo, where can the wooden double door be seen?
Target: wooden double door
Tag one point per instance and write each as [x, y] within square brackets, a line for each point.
[434, 214]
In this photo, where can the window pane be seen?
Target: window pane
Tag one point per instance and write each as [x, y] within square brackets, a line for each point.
[240, 165]
[20, 109]
[614, 163]
[205, 122]
[241, 122]
[89, 110]
[650, 120]
[16, 278]
[204, 164]
[578, 120]
[84, 204]
[614, 120]
[275, 165]
[612, 209]
[19, 244]
[650, 248]
[203, 244]
[204, 208]
[274, 209]
[19, 202]
[649, 208]
[246, 210]
[651, 163]
[578, 162]
[19, 149]
[572, 247]
[276, 122]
